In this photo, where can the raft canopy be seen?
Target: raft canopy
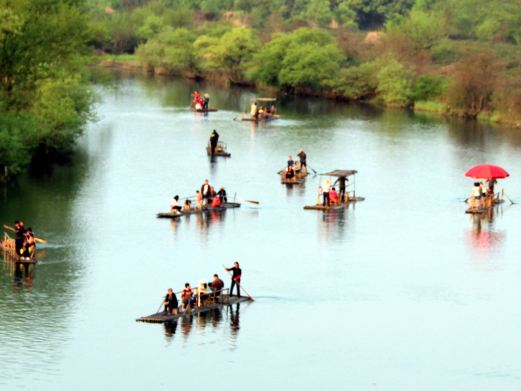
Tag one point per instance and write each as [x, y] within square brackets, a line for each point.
[265, 100]
[340, 173]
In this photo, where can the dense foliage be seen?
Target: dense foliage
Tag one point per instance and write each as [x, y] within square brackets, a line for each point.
[44, 101]
[459, 56]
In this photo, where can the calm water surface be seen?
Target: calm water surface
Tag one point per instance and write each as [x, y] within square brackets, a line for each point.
[402, 292]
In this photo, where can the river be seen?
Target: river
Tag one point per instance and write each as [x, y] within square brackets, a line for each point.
[403, 291]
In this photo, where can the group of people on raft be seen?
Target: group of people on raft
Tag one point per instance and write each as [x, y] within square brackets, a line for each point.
[199, 297]
[259, 112]
[296, 168]
[327, 194]
[205, 198]
[482, 196]
[200, 103]
[25, 243]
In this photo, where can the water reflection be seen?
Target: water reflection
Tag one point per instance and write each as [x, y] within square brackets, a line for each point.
[298, 189]
[214, 320]
[333, 225]
[484, 235]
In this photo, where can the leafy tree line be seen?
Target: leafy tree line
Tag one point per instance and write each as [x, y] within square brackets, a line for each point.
[44, 97]
[456, 56]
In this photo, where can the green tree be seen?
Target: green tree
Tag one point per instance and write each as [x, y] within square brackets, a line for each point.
[319, 11]
[394, 83]
[358, 82]
[44, 97]
[424, 29]
[304, 58]
[228, 54]
[171, 48]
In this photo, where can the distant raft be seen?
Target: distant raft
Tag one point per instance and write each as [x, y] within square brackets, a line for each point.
[210, 110]
[212, 304]
[220, 150]
[195, 211]
[265, 118]
[297, 179]
[346, 199]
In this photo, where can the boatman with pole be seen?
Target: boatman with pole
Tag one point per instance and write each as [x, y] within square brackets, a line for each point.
[342, 187]
[214, 139]
[303, 157]
[236, 278]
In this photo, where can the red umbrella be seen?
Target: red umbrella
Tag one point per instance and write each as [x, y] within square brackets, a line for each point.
[486, 171]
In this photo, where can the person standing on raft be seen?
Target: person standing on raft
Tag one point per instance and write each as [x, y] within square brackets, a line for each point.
[341, 188]
[236, 278]
[214, 140]
[302, 156]
[206, 102]
[19, 237]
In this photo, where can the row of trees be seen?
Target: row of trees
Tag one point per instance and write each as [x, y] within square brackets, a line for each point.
[433, 54]
[458, 56]
[44, 99]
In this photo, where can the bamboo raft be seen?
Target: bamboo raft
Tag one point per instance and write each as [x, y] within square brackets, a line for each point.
[263, 119]
[220, 150]
[223, 207]
[210, 110]
[490, 204]
[222, 300]
[10, 256]
[324, 208]
[296, 180]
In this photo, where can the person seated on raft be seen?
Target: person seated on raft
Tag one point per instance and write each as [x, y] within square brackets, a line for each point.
[222, 195]
[198, 200]
[201, 294]
[186, 296]
[297, 167]
[29, 246]
[211, 195]
[290, 173]
[475, 197]
[198, 101]
[216, 202]
[216, 285]
[187, 206]
[254, 110]
[262, 113]
[170, 302]
[174, 205]
[333, 196]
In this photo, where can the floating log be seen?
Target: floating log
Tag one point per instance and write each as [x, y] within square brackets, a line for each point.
[222, 300]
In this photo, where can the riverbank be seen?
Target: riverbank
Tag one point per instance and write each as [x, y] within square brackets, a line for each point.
[131, 63]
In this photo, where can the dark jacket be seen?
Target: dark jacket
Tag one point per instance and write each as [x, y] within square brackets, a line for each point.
[236, 273]
[171, 300]
[217, 285]
[214, 138]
